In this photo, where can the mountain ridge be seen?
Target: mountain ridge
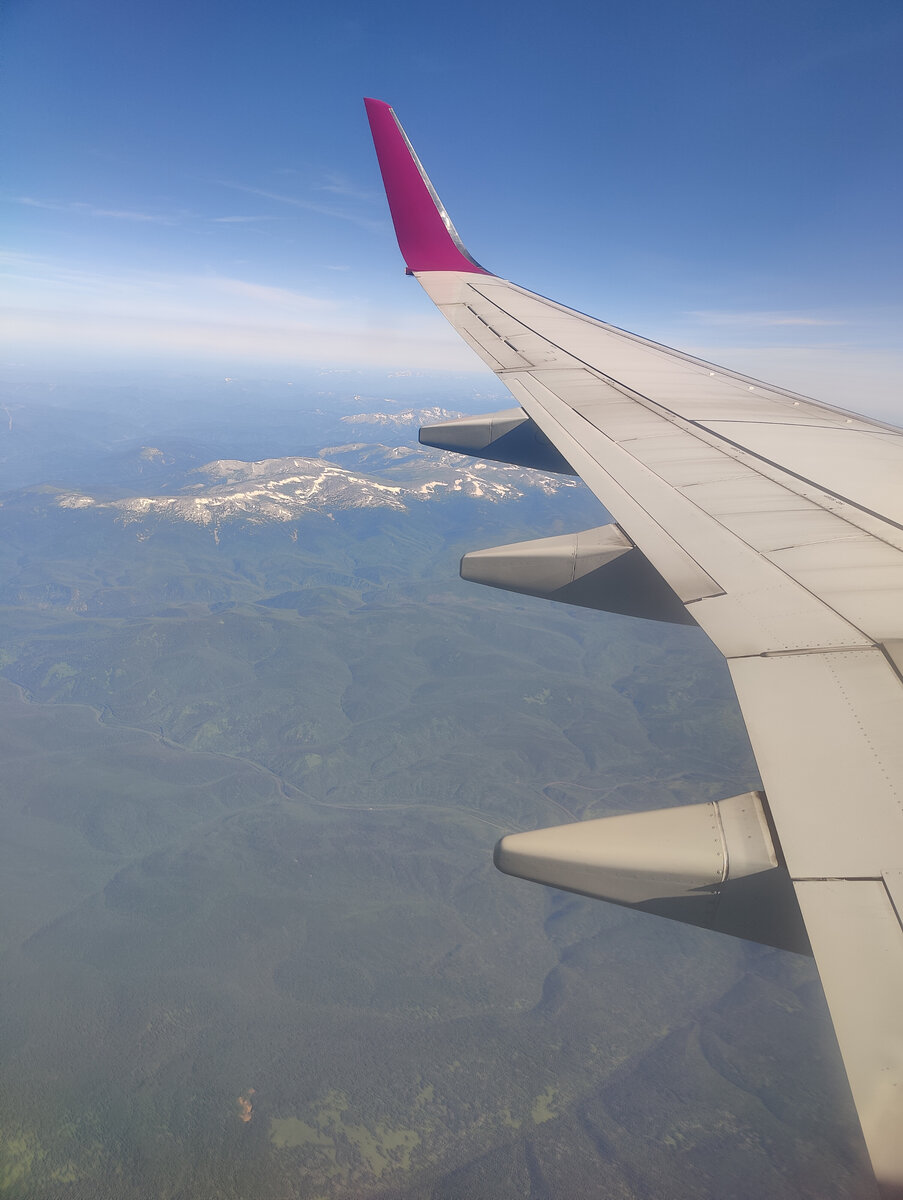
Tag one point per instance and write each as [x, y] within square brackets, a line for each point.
[284, 489]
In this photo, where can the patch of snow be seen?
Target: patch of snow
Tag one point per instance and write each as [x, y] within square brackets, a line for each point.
[410, 416]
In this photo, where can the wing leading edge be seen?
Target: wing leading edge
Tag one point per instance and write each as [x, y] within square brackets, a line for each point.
[775, 523]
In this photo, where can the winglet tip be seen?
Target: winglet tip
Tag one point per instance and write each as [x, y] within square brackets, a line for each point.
[426, 236]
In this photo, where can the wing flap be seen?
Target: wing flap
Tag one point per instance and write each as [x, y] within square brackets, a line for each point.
[826, 732]
[857, 940]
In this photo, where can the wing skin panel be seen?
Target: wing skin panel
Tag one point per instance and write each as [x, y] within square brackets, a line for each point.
[489, 343]
[679, 568]
[737, 490]
[864, 466]
[762, 610]
[858, 576]
[770, 530]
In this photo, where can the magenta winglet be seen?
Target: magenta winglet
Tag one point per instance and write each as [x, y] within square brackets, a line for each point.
[426, 237]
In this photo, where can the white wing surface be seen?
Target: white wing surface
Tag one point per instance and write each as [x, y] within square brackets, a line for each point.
[776, 524]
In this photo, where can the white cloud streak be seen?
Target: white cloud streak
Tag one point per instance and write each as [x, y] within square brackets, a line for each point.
[80, 209]
[324, 210]
[355, 344]
[340, 185]
[92, 210]
[763, 320]
[63, 308]
[240, 220]
[67, 310]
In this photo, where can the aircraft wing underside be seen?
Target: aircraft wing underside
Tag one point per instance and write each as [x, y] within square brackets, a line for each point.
[776, 524]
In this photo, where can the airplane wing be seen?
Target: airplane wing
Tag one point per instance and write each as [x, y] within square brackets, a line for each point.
[775, 523]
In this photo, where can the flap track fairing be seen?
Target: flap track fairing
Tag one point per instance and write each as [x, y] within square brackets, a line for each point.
[711, 865]
[596, 568]
[509, 436]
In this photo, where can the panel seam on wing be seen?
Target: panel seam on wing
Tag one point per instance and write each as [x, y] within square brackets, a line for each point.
[671, 352]
[696, 426]
[864, 733]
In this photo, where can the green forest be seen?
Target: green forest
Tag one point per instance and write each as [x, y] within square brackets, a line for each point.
[254, 946]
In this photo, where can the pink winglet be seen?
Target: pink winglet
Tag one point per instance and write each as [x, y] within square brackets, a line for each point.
[426, 237]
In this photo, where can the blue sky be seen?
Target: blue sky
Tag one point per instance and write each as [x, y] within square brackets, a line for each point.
[194, 181]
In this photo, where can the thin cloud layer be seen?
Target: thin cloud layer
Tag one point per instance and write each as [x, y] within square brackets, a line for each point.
[113, 337]
[64, 309]
[323, 210]
[763, 320]
[81, 208]
[59, 308]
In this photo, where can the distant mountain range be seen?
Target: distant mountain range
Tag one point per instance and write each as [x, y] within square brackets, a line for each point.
[357, 475]
[401, 420]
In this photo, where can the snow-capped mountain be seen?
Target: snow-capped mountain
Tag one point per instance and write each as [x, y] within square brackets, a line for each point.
[354, 476]
[404, 419]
